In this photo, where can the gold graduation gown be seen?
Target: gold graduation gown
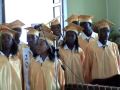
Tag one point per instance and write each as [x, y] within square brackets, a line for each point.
[42, 76]
[101, 63]
[10, 73]
[36, 76]
[73, 65]
[83, 41]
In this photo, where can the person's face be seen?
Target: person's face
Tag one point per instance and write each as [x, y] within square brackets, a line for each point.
[6, 40]
[32, 40]
[41, 47]
[70, 37]
[104, 34]
[17, 33]
[87, 29]
[56, 29]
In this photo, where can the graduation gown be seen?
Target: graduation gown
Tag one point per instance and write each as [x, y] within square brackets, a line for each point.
[73, 65]
[42, 75]
[10, 73]
[36, 76]
[84, 40]
[101, 63]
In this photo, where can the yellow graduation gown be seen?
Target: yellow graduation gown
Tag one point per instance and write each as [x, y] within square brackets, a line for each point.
[42, 76]
[36, 76]
[73, 65]
[101, 63]
[83, 42]
[10, 73]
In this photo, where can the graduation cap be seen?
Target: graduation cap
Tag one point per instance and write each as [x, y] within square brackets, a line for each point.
[55, 22]
[49, 37]
[72, 18]
[45, 28]
[32, 31]
[103, 24]
[15, 24]
[85, 18]
[5, 29]
[73, 27]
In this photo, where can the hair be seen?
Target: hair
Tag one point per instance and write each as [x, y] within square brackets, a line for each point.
[76, 44]
[14, 48]
[51, 52]
[56, 25]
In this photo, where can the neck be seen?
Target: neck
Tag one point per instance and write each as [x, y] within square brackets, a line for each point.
[43, 56]
[17, 41]
[6, 51]
[70, 46]
[103, 41]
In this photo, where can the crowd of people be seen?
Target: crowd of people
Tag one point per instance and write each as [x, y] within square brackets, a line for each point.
[51, 60]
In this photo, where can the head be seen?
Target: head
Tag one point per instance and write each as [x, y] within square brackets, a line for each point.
[56, 29]
[87, 28]
[17, 34]
[8, 43]
[103, 34]
[71, 39]
[43, 48]
[32, 41]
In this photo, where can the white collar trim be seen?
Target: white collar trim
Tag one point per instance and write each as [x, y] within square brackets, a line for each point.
[86, 37]
[101, 45]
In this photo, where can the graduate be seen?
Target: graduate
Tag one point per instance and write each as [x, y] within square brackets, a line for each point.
[87, 35]
[102, 63]
[10, 64]
[32, 38]
[56, 29]
[73, 19]
[17, 27]
[72, 55]
[43, 71]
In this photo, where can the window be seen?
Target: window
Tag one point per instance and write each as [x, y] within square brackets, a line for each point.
[58, 11]
[32, 11]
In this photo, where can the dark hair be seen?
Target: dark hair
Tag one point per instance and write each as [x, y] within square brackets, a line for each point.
[14, 48]
[51, 52]
[75, 43]
[56, 25]
[83, 23]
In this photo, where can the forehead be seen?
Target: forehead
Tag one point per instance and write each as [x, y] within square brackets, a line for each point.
[55, 26]
[41, 41]
[31, 35]
[17, 29]
[85, 23]
[7, 34]
[105, 29]
[70, 32]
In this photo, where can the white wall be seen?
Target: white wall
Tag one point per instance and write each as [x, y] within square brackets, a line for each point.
[28, 11]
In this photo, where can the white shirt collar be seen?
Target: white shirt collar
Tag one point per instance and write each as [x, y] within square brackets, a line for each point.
[101, 45]
[66, 47]
[40, 60]
[4, 54]
[86, 37]
[60, 39]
